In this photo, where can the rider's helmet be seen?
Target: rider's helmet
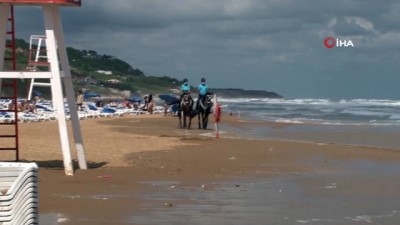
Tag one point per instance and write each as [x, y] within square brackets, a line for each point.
[185, 80]
[203, 79]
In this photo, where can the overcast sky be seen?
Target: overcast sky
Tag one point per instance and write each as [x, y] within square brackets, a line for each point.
[273, 45]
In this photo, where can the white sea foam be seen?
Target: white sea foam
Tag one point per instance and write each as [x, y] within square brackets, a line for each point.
[374, 112]
[370, 218]
[365, 113]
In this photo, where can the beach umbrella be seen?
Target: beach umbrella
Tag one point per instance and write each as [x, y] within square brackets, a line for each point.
[135, 99]
[91, 95]
[168, 98]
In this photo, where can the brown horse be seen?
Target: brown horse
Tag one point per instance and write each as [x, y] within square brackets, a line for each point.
[186, 111]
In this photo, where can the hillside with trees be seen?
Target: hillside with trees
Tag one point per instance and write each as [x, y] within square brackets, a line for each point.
[110, 76]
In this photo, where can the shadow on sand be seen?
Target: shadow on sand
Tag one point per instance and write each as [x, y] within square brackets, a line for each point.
[59, 164]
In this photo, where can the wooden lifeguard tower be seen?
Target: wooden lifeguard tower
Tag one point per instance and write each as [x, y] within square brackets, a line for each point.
[58, 73]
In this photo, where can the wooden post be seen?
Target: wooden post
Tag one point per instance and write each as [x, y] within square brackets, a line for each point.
[217, 114]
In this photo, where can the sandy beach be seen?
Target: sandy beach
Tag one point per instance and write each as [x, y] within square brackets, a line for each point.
[133, 160]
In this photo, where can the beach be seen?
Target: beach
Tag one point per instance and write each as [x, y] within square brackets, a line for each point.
[144, 169]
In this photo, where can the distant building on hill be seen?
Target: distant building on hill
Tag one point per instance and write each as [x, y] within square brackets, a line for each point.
[113, 81]
[174, 90]
[106, 72]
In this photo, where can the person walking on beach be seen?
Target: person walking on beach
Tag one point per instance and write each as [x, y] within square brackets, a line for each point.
[149, 104]
[202, 88]
[79, 100]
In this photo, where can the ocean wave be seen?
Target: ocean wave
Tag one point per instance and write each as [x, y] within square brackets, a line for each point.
[319, 101]
[365, 113]
[324, 111]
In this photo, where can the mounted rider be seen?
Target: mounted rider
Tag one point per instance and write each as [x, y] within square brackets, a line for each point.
[185, 105]
[203, 91]
[185, 87]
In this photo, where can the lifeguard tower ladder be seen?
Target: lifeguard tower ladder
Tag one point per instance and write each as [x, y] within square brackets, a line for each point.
[59, 71]
[8, 94]
[37, 59]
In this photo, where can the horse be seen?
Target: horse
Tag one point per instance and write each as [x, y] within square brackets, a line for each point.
[204, 110]
[186, 110]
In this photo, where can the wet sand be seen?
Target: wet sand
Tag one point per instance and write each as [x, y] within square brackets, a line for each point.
[146, 170]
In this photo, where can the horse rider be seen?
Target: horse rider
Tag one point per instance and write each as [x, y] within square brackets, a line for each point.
[203, 91]
[185, 89]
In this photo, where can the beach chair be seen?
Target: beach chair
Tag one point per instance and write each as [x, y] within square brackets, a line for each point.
[158, 109]
[18, 193]
[4, 117]
[27, 117]
[82, 115]
[121, 111]
[107, 112]
[42, 117]
[92, 110]
[9, 118]
[135, 111]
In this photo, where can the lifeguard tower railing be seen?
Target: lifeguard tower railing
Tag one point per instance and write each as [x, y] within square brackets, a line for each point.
[39, 2]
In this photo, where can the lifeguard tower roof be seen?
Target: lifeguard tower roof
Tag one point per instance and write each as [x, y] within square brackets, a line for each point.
[43, 2]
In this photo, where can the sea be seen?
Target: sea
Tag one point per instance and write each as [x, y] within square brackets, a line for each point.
[365, 122]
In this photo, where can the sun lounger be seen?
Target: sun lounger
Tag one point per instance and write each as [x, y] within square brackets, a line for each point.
[6, 117]
[133, 111]
[18, 193]
[27, 117]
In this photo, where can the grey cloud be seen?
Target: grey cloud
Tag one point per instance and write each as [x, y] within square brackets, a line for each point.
[261, 44]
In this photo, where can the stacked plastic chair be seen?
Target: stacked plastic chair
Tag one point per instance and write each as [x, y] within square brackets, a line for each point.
[18, 193]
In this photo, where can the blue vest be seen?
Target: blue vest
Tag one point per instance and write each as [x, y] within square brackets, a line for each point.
[203, 89]
[185, 87]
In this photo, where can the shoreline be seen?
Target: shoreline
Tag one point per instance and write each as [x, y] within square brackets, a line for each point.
[367, 136]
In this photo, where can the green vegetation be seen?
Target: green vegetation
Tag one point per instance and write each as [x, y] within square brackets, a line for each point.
[89, 61]
[101, 73]
[109, 76]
